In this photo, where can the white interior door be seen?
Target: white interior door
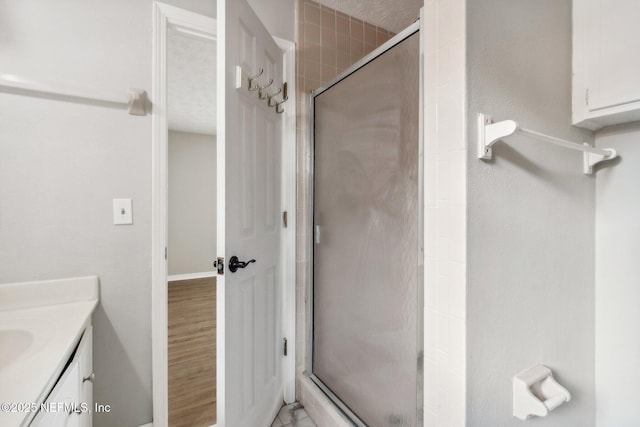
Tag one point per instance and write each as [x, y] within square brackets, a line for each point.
[249, 342]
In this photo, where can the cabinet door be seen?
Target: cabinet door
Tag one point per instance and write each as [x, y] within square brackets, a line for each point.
[65, 393]
[84, 357]
[613, 53]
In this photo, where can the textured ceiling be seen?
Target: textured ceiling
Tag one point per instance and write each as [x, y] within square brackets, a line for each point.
[192, 83]
[393, 15]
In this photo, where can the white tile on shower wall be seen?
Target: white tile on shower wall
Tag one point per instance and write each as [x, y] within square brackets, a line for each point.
[458, 289]
[443, 210]
[301, 300]
[443, 361]
[457, 233]
[457, 176]
[443, 186]
[451, 118]
[301, 222]
[443, 397]
[456, 343]
[430, 393]
[431, 27]
[299, 337]
[431, 178]
[444, 253]
[451, 64]
[457, 399]
[443, 298]
[431, 128]
[451, 19]
[431, 230]
[431, 73]
[430, 336]
[301, 242]
[443, 331]
[431, 280]
[430, 418]
[302, 268]
[445, 136]
[447, 67]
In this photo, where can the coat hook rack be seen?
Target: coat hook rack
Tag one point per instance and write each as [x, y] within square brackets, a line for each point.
[285, 98]
[490, 133]
[262, 94]
[270, 97]
[252, 78]
[240, 76]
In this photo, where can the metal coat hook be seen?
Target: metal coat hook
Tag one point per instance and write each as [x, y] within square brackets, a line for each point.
[251, 79]
[261, 92]
[270, 97]
[277, 105]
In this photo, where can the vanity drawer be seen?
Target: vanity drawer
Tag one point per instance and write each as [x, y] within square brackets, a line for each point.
[84, 357]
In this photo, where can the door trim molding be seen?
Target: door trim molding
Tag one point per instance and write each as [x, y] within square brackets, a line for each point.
[164, 16]
[288, 236]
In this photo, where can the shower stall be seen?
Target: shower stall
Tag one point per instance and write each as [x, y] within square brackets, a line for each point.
[366, 290]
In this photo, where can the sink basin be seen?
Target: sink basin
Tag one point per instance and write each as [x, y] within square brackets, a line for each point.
[21, 337]
[13, 344]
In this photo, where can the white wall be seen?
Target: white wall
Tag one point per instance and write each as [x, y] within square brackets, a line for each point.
[61, 164]
[278, 16]
[617, 283]
[192, 202]
[203, 7]
[530, 278]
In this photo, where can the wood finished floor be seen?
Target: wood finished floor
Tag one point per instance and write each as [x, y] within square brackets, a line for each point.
[192, 353]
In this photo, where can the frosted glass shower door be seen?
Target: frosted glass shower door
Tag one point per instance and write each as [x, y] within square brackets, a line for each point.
[366, 285]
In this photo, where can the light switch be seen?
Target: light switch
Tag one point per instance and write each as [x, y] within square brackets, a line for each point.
[122, 213]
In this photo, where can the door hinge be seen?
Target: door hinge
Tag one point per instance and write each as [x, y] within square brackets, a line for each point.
[284, 219]
[285, 347]
[219, 264]
[165, 253]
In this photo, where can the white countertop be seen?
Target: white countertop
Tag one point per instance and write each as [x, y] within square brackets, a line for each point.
[42, 322]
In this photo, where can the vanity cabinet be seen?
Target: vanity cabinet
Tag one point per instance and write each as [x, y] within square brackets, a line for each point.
[606, 62]
[73, 388]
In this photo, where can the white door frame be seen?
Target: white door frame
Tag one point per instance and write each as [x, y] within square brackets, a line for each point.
[164, 16]
[288, 237]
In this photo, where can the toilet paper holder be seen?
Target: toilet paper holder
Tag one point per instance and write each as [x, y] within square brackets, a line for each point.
[536, 393]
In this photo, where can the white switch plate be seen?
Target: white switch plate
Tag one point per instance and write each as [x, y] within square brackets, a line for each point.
[122, 212]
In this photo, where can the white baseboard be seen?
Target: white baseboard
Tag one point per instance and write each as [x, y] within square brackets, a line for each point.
[191, 276]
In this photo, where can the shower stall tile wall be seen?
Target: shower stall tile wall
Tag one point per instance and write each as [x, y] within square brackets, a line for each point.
[445, 269]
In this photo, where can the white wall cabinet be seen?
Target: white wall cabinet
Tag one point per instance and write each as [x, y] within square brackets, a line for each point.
[606, 62]
[74, 387]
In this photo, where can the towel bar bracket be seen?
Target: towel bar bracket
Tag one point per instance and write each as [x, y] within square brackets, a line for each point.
[490, 133]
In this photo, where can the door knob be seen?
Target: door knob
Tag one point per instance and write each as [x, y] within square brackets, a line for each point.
[235, 263]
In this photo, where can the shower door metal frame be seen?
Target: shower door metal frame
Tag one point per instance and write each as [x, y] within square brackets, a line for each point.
[414, 28]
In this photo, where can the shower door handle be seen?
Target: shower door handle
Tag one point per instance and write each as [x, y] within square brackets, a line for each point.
[235, 263]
